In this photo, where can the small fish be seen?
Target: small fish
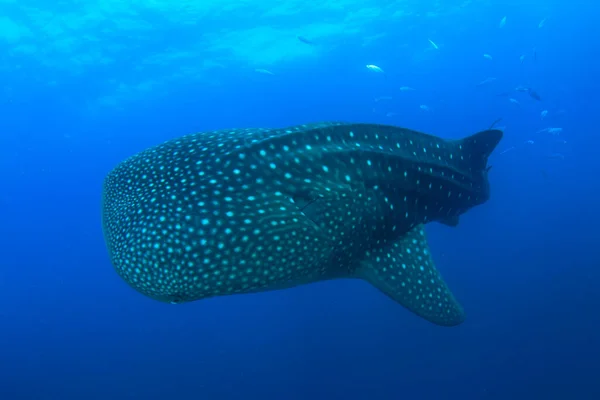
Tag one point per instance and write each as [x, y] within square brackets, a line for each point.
[486, 81]
[529, 142]
[305, 40]
[507, 150]
[522, 58]
[251, 210]
[556, 156]
[374, 68]
[502, 22]
[424, 107]
[532, 93]
[263, 71]
[514, 101]
[522, 89]
[382, 98]
[541, 24]
[552, 131]
[406, 89]
[435, 46]
[543, 114]
[487, 56]
[496, 121]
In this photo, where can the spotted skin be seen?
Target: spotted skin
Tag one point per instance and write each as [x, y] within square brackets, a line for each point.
[249, 210]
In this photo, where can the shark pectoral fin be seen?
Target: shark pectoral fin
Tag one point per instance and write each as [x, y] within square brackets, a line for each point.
[449, 221]
[404, 270]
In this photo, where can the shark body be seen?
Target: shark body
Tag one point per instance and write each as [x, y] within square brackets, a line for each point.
[249, 210]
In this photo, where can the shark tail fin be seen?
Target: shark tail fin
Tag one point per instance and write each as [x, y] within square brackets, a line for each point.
[479, 146]
[404, 270]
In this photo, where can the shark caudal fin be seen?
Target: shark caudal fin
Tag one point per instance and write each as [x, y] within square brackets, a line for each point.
[479, 146]
[404, 270]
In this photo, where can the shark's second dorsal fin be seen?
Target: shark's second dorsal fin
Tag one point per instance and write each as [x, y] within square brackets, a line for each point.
[404, 270]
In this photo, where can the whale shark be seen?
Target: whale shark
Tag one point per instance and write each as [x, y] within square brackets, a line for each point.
[249, 210]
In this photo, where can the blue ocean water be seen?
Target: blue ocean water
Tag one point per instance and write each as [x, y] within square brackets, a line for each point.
[86, 84]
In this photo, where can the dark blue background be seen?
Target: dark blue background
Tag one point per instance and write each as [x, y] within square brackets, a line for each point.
[525, 265]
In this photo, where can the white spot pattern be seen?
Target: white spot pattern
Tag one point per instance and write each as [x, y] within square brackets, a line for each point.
[246, 210]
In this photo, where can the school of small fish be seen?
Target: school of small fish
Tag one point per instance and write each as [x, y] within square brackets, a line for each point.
[513, 96]
[509, 94]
